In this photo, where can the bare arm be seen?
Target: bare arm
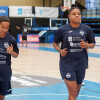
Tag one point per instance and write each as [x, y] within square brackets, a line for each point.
[86, 45]
[10, 51]
[56, 46]
[14, 54]
[62, 52]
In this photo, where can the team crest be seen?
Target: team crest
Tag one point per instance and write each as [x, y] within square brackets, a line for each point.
[68, 75]
[82, 32]
[6, 45]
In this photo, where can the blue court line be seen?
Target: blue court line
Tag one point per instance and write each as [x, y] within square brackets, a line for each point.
[97, 45]
[91, 91]
[42, 48]
[95, 55]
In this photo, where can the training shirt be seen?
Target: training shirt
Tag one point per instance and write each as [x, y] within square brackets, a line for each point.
[76, 58]
[24, 31]
[5, 58]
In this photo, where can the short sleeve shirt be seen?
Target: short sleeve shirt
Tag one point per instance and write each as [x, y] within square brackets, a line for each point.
[24, 31]
[77, 57]
[5, 58]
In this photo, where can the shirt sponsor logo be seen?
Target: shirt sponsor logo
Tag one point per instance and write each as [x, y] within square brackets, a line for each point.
[2, 57]
[70, 39]
[2, 62]
[74, 44]
[76, 50]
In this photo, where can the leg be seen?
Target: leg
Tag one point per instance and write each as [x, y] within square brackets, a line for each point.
[2, 97]
[72, 89]
[78, 89]
[22, 43]
[80, 77]
[26, 43]
[5, 88]
[26, 40]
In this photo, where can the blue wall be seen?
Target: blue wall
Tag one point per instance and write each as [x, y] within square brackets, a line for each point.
[4, 10]
[92, 4]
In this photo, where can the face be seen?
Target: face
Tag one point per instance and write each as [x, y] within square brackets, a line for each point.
[4, 27]
[75, 16]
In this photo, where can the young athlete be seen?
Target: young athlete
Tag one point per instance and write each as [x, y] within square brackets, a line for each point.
[8, 48]
[75, 38]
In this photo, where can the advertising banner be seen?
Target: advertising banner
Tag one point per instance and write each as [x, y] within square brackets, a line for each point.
[31, 38]
[20, 11]
[97, 38]
[46, 12]
[26, 11]
[4, 10]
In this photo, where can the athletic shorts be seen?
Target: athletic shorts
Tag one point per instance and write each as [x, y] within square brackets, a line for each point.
[24, 38]
[77, 76]
[5, 88]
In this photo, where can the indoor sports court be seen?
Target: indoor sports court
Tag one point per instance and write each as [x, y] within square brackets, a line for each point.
[35, 73]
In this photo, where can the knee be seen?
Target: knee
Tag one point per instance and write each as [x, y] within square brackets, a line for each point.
[73, 93]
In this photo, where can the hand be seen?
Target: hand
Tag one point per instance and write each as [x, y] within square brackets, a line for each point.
[83, 44]
[63, 52]
[18, 27]
[10, 49]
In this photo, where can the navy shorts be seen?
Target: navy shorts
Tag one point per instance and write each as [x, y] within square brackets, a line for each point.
[24, 38]
[5, 88]
[77, 76]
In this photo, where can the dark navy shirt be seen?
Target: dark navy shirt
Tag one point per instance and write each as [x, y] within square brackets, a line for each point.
[24, 31]
[5, 58]
[76, 58]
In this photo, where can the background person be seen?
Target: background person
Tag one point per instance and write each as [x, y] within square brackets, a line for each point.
[75, 38]
[24, 34]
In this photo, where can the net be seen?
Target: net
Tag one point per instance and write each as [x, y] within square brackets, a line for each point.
[63, 9]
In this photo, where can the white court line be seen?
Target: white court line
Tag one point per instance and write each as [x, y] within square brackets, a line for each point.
[51, 95]
[93, 81]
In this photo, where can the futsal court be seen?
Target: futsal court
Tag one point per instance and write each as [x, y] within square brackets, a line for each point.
[36, 75]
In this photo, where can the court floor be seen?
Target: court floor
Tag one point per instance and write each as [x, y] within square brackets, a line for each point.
[36, 75]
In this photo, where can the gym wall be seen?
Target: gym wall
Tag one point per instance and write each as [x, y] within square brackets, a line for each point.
[53, 3]
[82, 2]
[45, 3]
[21, 2]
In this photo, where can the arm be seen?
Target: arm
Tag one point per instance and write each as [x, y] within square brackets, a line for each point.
[62, 52]
[56, 46]
[18, 27]
[14, 54]
[11, 51]
[90, 39]
[86, 45]
[91, 45]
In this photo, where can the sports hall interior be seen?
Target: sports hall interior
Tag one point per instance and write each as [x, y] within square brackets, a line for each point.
[35, 73]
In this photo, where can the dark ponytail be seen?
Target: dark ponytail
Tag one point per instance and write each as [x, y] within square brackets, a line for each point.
[73, 6]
